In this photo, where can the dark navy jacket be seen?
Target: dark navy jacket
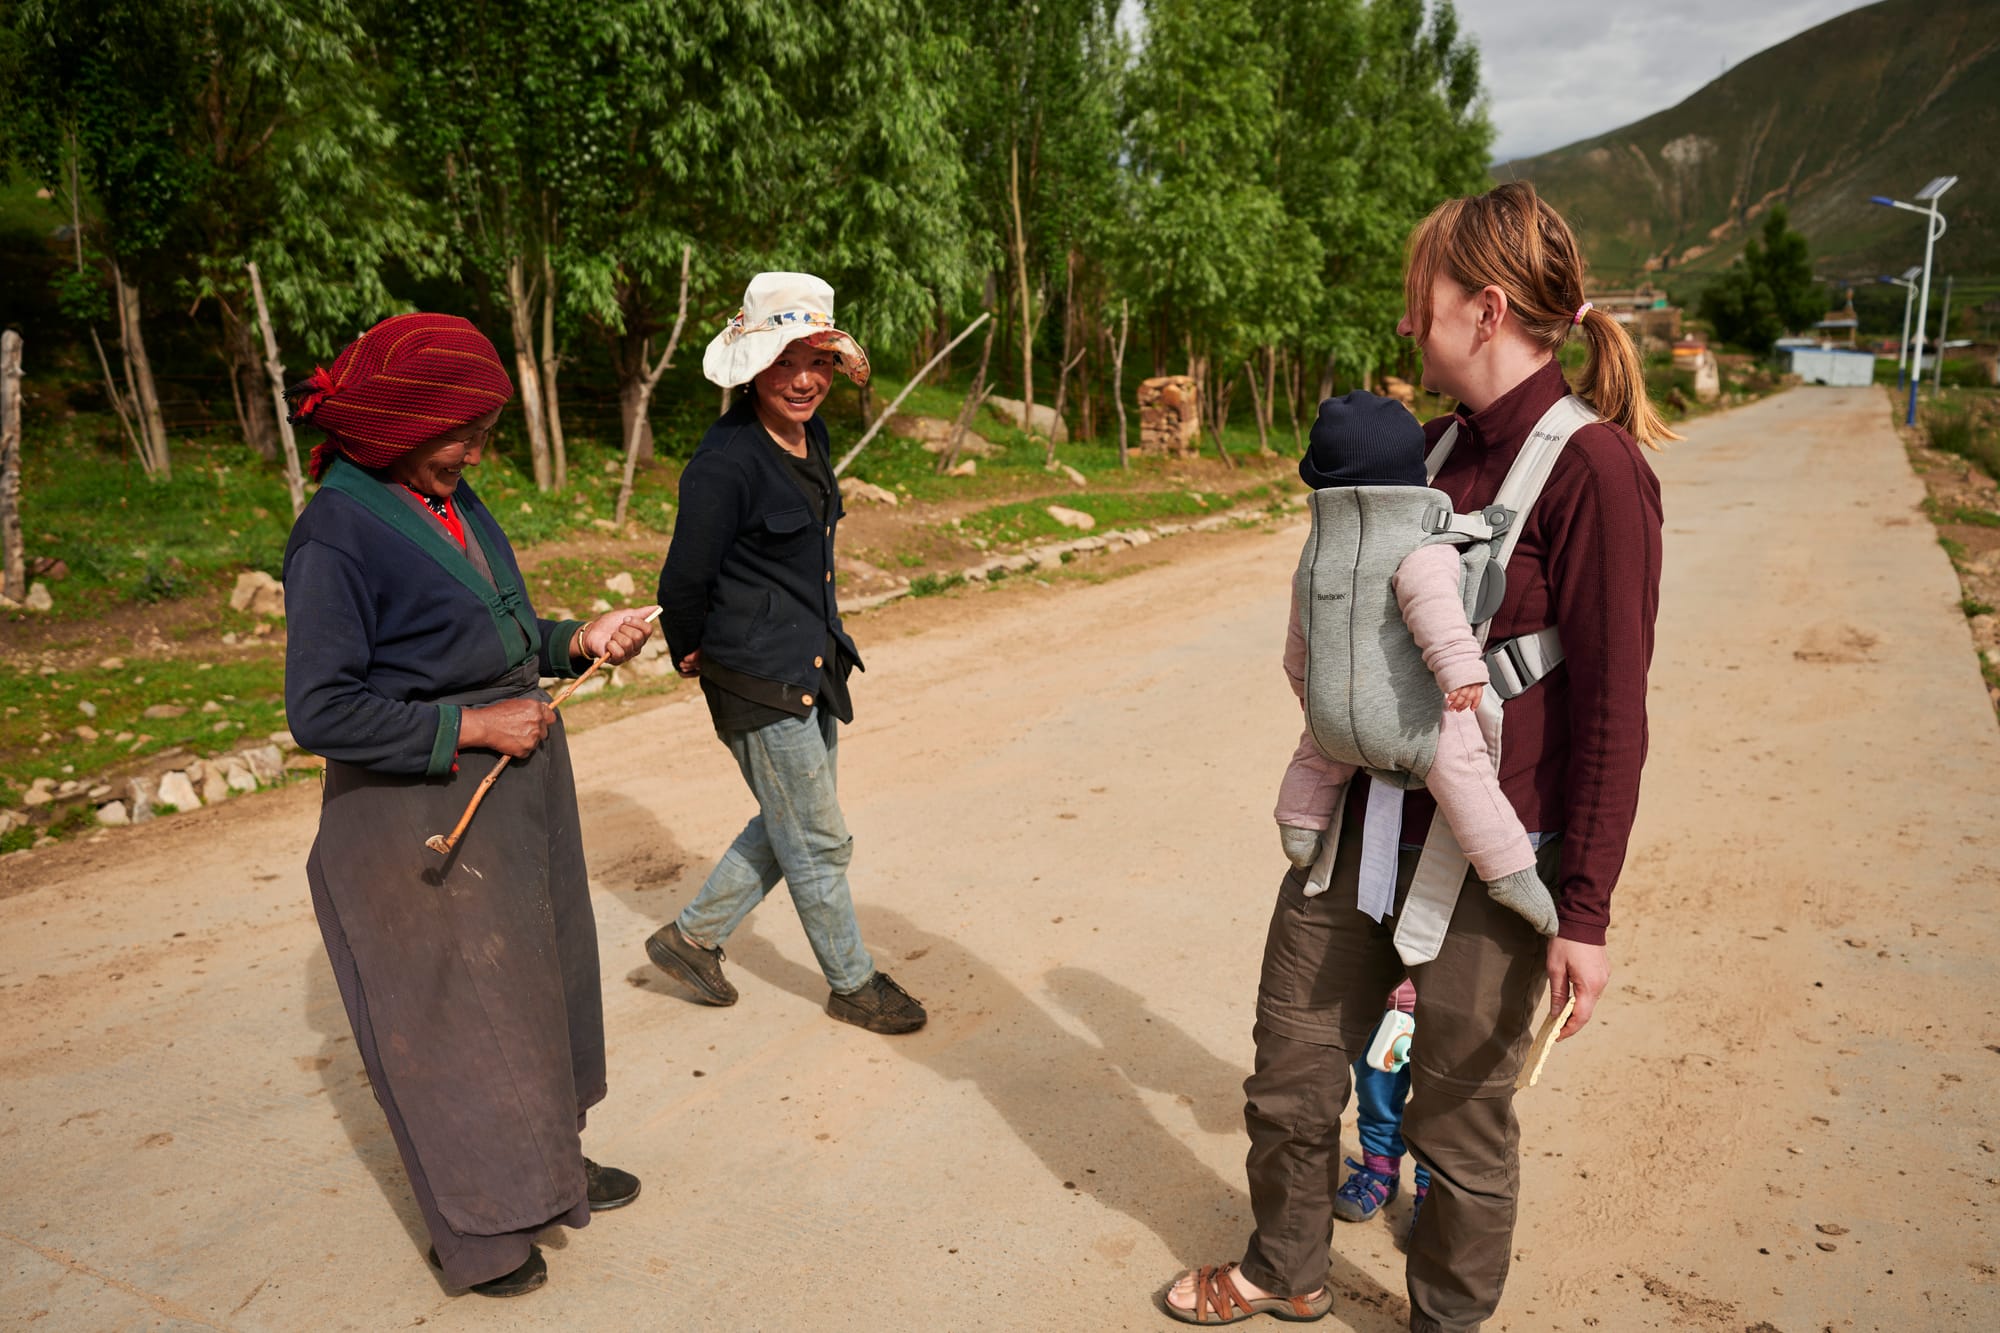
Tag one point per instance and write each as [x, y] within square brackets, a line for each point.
[384, 614]
[748, 577]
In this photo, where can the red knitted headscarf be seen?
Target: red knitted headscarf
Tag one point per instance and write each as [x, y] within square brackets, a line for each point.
[409, 379]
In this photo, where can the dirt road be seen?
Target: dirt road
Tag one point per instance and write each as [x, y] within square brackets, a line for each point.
[1782, 1119]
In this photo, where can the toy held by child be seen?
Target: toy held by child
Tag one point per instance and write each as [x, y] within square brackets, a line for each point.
[1365, 442]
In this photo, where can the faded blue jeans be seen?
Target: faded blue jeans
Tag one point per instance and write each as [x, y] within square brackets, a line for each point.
[799, 836]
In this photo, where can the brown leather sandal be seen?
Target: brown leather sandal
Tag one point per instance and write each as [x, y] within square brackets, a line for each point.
[1217, 1301]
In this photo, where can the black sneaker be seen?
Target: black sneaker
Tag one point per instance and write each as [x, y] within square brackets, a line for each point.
[533, 1272]
[701, 969]
[607, 1187]
[880, 1006]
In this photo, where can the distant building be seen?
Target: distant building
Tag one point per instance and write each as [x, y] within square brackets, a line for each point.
[1839, 322]
[1644, 311]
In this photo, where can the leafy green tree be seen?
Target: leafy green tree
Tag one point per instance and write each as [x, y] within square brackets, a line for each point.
[1769, 292]
[194, 137]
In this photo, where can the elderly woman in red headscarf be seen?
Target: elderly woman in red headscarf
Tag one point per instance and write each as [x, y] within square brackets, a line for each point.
[413, 664]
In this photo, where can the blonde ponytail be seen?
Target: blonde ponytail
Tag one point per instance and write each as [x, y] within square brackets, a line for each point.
[1614, 381]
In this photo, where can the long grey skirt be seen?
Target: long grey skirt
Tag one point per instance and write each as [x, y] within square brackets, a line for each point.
[472, 986]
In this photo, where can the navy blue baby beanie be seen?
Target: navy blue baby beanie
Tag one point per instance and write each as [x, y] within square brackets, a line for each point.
[1363, 440]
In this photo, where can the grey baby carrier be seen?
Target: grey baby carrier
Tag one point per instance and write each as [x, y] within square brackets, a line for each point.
[1369, 699]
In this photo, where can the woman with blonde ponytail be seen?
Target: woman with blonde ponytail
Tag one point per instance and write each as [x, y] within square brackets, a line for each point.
[1494, 286]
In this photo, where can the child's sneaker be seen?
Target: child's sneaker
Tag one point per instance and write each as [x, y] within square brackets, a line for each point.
[1373, 1183]
[1416, 1205]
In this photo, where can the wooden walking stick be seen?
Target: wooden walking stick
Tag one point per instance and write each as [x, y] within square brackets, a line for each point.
[442, 843]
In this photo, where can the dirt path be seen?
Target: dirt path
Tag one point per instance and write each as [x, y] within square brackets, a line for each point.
[1780, 1121]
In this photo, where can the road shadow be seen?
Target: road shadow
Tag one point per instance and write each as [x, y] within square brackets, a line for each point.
[353, 1100]
[1067, 1098]
[1150, 1051]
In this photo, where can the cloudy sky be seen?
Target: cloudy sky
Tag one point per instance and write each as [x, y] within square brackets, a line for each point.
[1562, 70]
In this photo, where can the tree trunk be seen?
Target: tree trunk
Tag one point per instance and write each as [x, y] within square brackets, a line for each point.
[294, 482]
[1325, 381]
[1294, 373]
[153, 454]
[551, 362]
[13, 556]
[977, 394]
[246, 382]
[628, 361]
[1257, 410]
[1270, 404]
[520, 310]
[1118, 378]
[1027, 306]
[649, 375]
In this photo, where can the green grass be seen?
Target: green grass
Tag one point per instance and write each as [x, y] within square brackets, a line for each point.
[1966, 423]
[1028, 520]
[39, 714]
[1972, 606]
[930, 585]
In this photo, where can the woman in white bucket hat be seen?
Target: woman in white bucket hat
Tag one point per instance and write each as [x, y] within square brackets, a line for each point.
[749, 607]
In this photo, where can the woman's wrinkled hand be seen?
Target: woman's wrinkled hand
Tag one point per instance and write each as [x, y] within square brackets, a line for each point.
[617, 636]
[512, 726]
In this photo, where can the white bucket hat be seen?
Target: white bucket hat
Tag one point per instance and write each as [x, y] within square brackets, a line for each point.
[779, 309]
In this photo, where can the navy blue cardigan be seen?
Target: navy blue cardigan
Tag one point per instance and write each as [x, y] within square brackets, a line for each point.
[384, 613]
[748, 577]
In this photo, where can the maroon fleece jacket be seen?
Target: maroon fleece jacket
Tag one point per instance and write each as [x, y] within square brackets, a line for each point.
[1588, 562]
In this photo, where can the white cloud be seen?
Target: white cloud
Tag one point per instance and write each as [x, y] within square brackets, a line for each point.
[1562, 70]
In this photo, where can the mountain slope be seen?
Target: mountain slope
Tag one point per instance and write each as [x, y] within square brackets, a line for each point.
[1877, 101]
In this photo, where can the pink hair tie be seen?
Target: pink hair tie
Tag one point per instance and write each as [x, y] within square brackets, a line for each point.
[1577, 318]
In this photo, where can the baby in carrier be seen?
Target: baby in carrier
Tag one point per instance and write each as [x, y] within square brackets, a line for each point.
[1363, 440]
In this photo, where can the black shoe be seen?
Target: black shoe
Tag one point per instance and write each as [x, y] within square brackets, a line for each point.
[701, 969]
[880, 1006]
[532, 1273]
[607, 1187]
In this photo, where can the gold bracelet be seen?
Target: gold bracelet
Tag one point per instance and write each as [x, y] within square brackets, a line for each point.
[576, 644]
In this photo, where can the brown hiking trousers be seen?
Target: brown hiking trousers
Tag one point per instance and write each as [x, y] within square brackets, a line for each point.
[1328, 971]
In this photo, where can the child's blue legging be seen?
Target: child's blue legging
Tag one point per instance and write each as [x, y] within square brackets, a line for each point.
[1378, 1105]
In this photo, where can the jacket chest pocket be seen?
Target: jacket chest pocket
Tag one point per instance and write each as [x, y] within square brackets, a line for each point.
[786, 529]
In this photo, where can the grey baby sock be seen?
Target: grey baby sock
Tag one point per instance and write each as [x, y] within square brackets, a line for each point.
[1524, 892]
[1302, 845]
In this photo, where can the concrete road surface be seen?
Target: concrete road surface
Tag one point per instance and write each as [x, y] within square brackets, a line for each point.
[1782, 1119]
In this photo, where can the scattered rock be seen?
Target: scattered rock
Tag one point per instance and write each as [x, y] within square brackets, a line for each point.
[196, 771]
[87, 708]
[599, 606]
[265, 763]
[38, 598]
[163, 712]
[1045, 421]
[1830, 1229]
[50, 567]
[1071, 518]
[258, 593]
[1072, 474]
[304, 763]
[179, 791]
[113, 814]
[211, 706]
[100, 792]
[86, 733]
[139, 796]
[935, 432]
[621, 583]
[591, 686]
[111, 664]
[230, 638]
[240, 778]
[68, 789]
[852, 488]
[283, 739]
[970, 467]
[214, 785]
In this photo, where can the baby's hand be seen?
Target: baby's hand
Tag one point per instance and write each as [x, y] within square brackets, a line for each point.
[1464, 697]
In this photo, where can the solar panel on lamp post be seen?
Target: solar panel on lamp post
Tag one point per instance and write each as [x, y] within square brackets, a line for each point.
[1908, 282]
[1929, 196]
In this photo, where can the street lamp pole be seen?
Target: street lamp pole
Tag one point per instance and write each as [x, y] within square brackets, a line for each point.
[1929, 195]
[1908, 282]
[1944, 328]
